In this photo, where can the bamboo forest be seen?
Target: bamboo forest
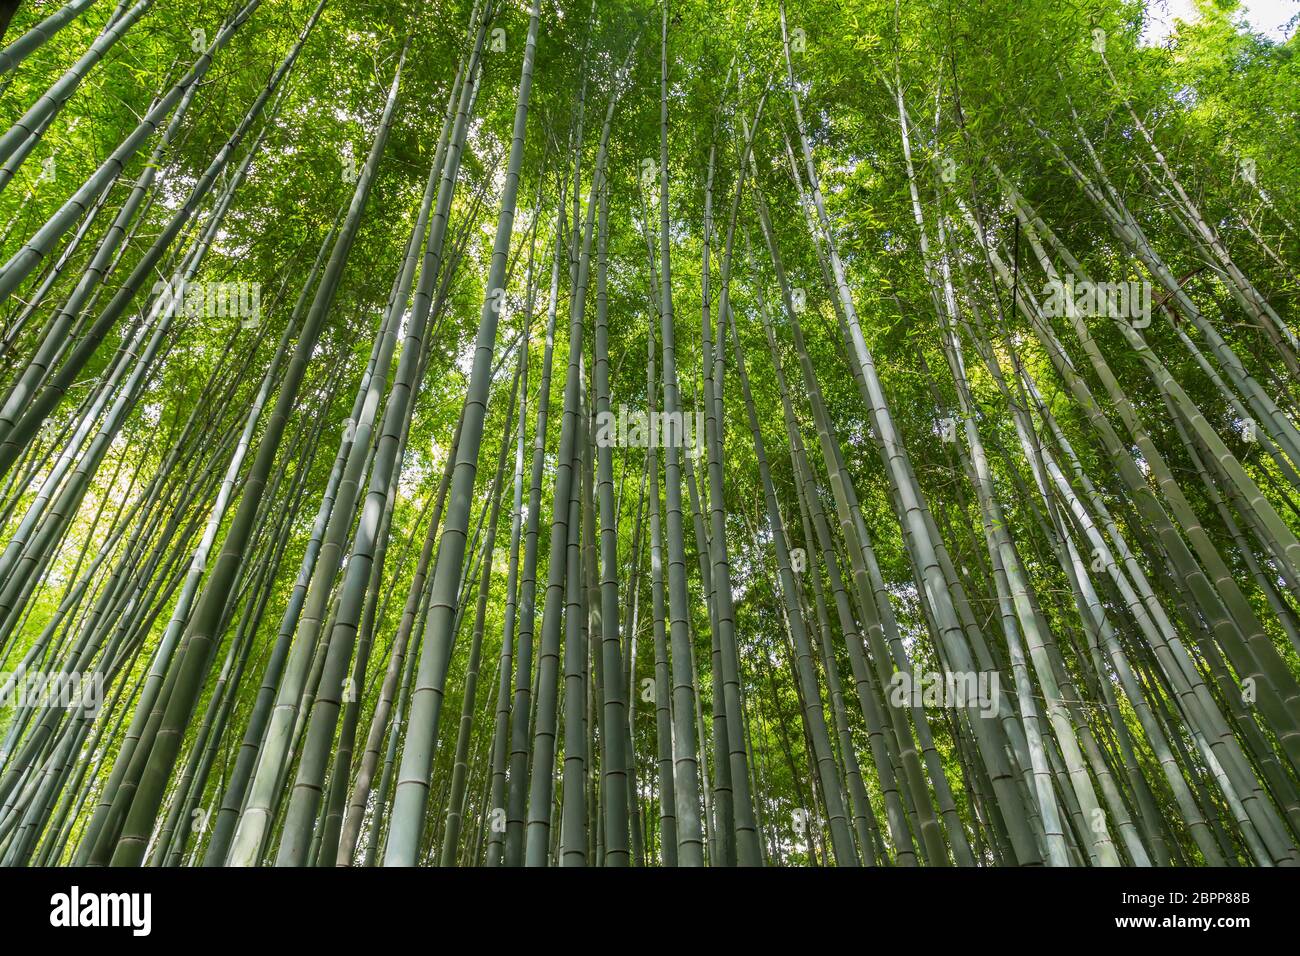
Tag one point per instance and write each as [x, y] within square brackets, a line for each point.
[648, 433]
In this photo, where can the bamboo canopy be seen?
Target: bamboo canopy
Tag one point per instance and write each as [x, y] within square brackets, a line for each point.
[544, 433]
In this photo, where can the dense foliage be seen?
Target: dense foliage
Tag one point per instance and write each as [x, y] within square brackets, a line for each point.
[830, 432]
